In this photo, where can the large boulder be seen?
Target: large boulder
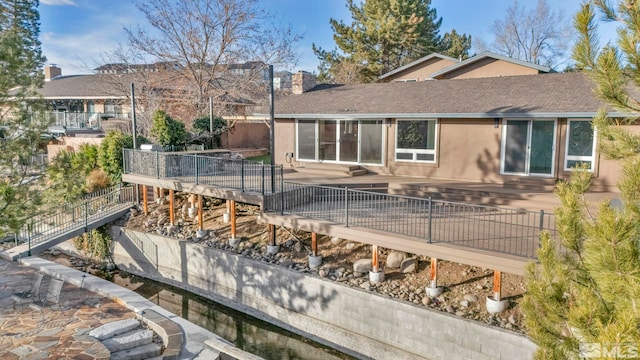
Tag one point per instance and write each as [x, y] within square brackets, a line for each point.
[395, 258]
[362, 266]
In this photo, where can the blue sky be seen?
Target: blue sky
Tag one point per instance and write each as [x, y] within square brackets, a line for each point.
[75, 34]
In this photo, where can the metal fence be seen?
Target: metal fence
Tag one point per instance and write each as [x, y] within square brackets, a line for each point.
[503, 230]
[176, 148]
[243, 175]
[60, 219]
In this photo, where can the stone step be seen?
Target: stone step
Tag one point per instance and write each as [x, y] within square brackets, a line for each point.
[114, 328]
[207, 354]
[142, 352]
[128, 340]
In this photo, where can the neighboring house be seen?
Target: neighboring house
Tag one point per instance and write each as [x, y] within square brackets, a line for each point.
[440, 67]
[525, 130]
[282, 80]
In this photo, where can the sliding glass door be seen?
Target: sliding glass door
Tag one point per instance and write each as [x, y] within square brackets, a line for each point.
[341, 141]
[528, 147]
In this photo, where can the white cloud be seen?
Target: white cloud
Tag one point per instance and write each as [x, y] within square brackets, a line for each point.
[59, 2]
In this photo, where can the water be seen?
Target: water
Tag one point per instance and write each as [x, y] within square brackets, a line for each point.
[246, 332]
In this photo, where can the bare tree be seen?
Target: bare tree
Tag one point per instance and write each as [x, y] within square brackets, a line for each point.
[202, 43]
[539, 35]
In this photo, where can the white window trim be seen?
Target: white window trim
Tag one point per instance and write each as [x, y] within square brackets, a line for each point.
[591, 158]
[415, 152]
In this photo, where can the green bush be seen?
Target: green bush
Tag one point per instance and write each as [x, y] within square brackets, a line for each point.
[95, 244]
[166, 130]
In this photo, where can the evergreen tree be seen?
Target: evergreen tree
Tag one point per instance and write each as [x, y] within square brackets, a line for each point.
[21, 63]
[166, 130]
[383, 35]
[456, 45]
[589, 293]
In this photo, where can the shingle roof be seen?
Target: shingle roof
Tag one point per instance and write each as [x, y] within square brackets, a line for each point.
[527, 95]
[489, 54]
[416, 62]
[81, 86]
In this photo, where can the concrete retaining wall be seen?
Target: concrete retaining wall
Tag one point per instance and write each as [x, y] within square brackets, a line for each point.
[355, 321]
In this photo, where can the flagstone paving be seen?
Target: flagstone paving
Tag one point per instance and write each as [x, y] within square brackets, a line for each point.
[62, 334]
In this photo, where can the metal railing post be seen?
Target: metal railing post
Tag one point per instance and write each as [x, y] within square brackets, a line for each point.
[281, 190]
[430, 221]
[124, 161]
[346, 206]
[29, 228]
[262, 181]
[195, 159]
[541, 227]
[242, 175]
[86, 215]
[157, 164]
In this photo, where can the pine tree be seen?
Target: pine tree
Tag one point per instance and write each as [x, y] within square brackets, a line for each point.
[590, 291]
[21, 63]
[383, 35]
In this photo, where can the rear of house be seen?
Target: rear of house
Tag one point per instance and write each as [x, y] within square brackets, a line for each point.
[513, 130]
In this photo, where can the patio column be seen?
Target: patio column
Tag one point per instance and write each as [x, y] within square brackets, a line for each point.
[145, 200]
[172, 213]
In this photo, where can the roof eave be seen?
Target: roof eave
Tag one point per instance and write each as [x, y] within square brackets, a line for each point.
[485, 115]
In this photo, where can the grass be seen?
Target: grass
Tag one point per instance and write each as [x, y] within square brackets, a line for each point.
[264, 158]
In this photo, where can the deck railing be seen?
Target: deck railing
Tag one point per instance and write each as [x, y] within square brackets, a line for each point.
[57, 220]
[509, 231]
[243, 175]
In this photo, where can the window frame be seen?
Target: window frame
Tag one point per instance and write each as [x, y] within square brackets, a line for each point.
[580, 158]
[413, 151]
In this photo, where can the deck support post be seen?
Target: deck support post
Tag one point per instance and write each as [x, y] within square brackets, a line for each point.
[376, 275]
[227, 215]
[314, 259]
[272, 247]
[497, 285]
[433, 290]
[233, 241]
[200, 222]
[494, 303]
[172, 212]
[145, 200]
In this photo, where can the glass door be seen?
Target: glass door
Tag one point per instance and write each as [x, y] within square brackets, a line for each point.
[349, 135]
[528, 147]
[327, 140]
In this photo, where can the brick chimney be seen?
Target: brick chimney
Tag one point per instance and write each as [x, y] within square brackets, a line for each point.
[302, 81]
[51, 72]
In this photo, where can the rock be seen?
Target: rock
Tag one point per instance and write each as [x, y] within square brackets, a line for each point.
[366, 285]
[460, 313]
[464, 303]
[339, 271]
[409, 265]
[426, 301]
[323, 273]
[450, 309]
[395, 258]
[362, 266]
[289, 243]
[470, 298]
[512, 319]
[55, 252]
[163, 220]
[336, 240]
[297, 246]
[349, 246]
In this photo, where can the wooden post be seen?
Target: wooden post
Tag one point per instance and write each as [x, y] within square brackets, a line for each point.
[200, 222]
[232, 209]
[145, 200]
[314, 244]
[192, 200]
[374, 258]
[433, 274]
[497, 285]
[172, 214]
[272, 235]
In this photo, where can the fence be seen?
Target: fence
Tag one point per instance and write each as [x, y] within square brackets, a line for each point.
[176, 148]
[495, 229]
[243, 175]
[60, 219]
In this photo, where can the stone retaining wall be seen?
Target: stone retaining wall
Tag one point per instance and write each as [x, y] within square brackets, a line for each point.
[355, 321]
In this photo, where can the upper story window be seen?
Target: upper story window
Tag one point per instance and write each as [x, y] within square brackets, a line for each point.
[581, 144]
[416, 140]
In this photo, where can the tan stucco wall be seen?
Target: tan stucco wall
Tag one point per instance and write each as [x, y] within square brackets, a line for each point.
[488, 67]
[422, 71]
[246, 135]
[285, 141]
[71, 144]
[467, 149]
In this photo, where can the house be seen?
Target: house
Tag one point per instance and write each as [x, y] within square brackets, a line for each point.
[511, 130]
[440, 67]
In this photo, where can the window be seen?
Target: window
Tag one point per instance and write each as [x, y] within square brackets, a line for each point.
[416, 140]
[528, 147]
[580, 147]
